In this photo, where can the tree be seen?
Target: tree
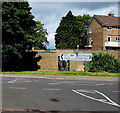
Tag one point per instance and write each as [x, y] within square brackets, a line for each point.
[84, 20]
[41, 36]
[71, 32]
[17, 27]
[19, 31]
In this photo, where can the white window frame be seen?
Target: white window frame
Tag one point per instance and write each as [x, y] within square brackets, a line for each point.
[90, 31]
[117, 38]
[110, 38]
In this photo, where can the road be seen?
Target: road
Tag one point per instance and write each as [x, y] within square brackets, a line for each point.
[60, 94]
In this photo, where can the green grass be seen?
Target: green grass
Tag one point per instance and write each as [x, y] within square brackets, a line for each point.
[79, 73]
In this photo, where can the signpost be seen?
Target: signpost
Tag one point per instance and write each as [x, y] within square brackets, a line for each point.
[76, 57]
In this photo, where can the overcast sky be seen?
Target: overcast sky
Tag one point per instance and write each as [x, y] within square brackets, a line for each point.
[50, 13]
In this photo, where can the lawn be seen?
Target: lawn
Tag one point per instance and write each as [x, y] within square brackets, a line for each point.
[79, 73]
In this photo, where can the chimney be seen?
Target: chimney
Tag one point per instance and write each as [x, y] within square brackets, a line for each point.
[110, 14]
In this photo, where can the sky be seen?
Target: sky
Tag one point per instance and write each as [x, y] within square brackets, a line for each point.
[51, 13]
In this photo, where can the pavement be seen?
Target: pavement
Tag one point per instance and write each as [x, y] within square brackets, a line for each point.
[68, 77]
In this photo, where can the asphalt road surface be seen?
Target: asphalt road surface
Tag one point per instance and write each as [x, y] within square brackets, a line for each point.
[60, 94]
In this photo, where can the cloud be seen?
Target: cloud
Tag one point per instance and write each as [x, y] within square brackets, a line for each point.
[71, 0]
[51, 13]
[51, 40]
[100, 11]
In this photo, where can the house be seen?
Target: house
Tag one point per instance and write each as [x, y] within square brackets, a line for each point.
[104, 32]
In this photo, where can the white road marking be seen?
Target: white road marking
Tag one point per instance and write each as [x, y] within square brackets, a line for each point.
[100, 84]
[51, 89]
[17, 88]
[22, 81]
[87, 91]
[53, 83]
[100, 100]
[67, 82]
[62, 82]
[12, 81]
[116, 91]
[82, 84]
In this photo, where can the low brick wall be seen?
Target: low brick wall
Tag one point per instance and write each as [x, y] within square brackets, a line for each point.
[49, 59]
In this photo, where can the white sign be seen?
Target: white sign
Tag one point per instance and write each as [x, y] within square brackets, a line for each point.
[79, 57]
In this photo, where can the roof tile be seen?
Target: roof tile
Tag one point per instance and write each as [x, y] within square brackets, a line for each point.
[108, 20]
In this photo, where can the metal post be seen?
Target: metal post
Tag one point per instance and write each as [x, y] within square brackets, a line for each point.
[76, 58]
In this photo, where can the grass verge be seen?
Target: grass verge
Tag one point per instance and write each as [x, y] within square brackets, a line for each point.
[79, 73]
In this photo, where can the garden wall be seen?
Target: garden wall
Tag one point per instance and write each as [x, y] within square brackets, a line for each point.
[49, 59]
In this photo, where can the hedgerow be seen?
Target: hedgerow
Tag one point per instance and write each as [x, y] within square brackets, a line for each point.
[103, 63]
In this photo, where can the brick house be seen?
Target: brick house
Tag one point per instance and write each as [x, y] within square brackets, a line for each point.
[104, 32]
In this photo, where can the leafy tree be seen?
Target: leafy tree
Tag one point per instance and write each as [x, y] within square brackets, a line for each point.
[103, 63]
[19, 31]
[71, 32]
[84, 20]
[17, 27]
[40, 36]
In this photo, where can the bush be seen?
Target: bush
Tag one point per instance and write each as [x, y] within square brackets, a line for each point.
[103, 63]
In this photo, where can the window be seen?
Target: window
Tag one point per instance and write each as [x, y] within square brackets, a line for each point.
[118, 38]
[118, 28]
[90, 31]
[109, 28]
[90, 41]
[109, 38]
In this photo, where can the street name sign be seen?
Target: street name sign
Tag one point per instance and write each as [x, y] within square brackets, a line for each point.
[76, 57]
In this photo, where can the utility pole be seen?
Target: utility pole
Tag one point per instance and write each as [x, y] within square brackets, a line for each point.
[76, 58]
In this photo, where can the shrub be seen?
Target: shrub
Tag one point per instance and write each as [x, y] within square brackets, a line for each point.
[103, 63]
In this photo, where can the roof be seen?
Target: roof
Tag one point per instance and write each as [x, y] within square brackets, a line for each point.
[108, 20]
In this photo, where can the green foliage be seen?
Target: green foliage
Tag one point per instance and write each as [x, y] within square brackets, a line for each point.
[71, 31]
[20, 32]
[70, 73]
[40, 36]
[103, 63]
[17, 27]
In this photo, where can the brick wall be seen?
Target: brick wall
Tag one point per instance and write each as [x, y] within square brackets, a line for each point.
[96, 35]
[99, 35]
[49, 59]
[113, 33]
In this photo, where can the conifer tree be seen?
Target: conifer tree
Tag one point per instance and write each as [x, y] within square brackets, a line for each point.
[70, 33]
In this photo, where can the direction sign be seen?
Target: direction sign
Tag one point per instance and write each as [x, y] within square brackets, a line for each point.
[74, 57]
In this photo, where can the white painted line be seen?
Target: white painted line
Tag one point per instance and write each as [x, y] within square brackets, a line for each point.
[87, 91]
[53, 83]
[12, 81]
[100, 84]
[100, 100]
[17, 88]
[83, 84]
[51, 89]
[67, 82]
[62, 82]
[116, 91]
[22, 81]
